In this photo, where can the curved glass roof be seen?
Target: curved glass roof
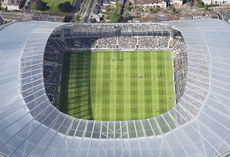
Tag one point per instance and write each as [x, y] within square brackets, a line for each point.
[199, 125]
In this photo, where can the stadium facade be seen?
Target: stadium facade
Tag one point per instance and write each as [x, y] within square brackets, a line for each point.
[198, 125]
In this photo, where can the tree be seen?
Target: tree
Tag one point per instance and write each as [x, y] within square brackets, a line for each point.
[184, 2]
[158, 8]
[92, 20]
[200, 3]
[40, 5]
[65, 7]
[115, 17]
[129, 6]
[117, 5]
[151, 9]
[125, 14]
[68, 18]
[77, 18]
[173, 9]
[206, 7]
[125, 17]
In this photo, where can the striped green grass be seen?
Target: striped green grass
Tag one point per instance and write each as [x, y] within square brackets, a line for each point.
[116, 86]
[53, 5]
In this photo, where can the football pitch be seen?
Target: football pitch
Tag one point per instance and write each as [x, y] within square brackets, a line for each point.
[116, 86]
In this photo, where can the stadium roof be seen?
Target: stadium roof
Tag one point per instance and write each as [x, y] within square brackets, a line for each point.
[199, 125]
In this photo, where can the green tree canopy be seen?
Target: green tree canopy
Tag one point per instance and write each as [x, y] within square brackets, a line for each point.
[115, 17]
[65, 7]
[40, 5]
[173, 9]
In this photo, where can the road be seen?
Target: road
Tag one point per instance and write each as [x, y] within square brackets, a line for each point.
[90, 7]
[77, 5]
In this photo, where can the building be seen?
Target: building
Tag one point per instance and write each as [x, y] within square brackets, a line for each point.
[177, 2]
[198, 125]
[225, 15]
[217, 2]
[150, 3]
[12, 5]
[104, 8]
[106, 2]
[97, 17]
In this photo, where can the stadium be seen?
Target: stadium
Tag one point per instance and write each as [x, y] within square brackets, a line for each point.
[40, 65]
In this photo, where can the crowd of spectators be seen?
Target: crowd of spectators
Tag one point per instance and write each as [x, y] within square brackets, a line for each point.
[84, 43]
[153, 42]
[51, 55]
[177, 46]
[55, 46]
[50, 73]
[145, 42]
[163, 41]
[124, 42]
[127, 42]
[109, 42]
